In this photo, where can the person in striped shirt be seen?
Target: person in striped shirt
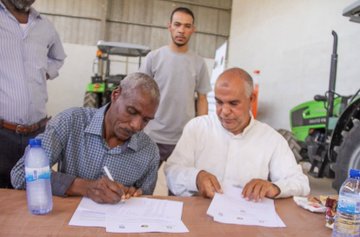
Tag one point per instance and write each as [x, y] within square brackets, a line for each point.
[31, 53]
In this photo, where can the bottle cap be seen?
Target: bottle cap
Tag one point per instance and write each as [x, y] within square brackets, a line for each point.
[34, 142]
[353, 173]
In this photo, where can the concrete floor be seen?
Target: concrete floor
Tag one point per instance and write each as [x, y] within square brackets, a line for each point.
[321, 186]
[318, 186]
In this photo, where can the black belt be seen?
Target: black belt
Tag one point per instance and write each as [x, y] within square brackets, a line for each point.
[24, 129]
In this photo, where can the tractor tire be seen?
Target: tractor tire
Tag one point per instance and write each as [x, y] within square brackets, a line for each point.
[91, 100]
[293, 144]
[348, 154]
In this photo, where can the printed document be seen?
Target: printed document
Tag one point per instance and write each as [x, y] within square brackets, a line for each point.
[232, 208]
[135, 215]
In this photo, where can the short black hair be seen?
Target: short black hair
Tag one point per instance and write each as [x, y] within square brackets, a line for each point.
[184, 10]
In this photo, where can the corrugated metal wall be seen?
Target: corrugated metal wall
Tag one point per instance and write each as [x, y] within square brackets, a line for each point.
[137, 21]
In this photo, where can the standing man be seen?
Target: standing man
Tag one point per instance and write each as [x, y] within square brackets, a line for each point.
[31, 52]
[180, 74]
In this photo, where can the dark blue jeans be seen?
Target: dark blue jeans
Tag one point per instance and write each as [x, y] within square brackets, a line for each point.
[12, 146]
[165, 151]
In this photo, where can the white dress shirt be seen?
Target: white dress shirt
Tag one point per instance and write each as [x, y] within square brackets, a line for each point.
[258, 152]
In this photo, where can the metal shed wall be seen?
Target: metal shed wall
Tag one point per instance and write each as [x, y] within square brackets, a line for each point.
[137, 21]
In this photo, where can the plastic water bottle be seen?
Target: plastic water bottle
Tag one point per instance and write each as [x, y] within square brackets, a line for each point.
[347, 219]
[37, 175]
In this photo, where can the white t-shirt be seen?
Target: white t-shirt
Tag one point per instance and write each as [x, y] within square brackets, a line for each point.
[258, 152]
[179, 76]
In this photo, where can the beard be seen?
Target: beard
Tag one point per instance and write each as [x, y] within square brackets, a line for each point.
[22, 5]
[179, 44]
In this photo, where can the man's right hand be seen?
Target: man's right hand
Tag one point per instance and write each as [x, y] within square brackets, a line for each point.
[102, 190]
[207, 184]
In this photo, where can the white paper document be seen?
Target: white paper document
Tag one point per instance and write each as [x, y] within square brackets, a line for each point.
[232, 208]
[139, 225]
[133, 216]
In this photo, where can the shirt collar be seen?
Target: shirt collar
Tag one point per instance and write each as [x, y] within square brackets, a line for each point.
[96, 123]
[96, 127]
[244, 132]
[249, 126]
[34, 14]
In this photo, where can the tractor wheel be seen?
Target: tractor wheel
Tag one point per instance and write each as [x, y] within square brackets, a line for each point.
[293, 144]
[91, 100]
[348, 154]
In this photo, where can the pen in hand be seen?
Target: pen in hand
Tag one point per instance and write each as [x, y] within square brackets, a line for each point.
[108, 174]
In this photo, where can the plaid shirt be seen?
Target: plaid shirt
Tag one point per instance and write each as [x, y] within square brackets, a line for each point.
[74, 139]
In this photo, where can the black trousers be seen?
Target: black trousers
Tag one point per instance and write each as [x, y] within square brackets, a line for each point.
[12, 146]
[165, 151]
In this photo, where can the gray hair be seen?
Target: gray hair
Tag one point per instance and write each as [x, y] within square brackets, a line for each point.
[241, 74]
[142, 81]
[249, 84]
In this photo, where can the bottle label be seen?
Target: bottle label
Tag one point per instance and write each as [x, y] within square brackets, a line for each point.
[349, 205]
[33, 174]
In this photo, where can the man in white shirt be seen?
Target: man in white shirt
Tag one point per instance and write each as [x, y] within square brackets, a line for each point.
[234, 148]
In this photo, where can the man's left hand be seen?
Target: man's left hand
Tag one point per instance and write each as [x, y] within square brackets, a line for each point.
[257, 189]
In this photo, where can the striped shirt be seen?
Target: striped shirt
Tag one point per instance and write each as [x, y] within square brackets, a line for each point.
[74, 137]
[26, 56]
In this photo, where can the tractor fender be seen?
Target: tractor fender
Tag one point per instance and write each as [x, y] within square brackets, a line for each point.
[345, 120]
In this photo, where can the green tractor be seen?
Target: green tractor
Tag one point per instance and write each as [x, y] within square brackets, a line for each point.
[103, 82]
[327, 130]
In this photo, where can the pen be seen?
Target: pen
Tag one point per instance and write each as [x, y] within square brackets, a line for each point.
[107, 172]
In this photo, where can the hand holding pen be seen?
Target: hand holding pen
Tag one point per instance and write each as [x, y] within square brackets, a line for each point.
[102, 190]
[122, 188]
[128, 192]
